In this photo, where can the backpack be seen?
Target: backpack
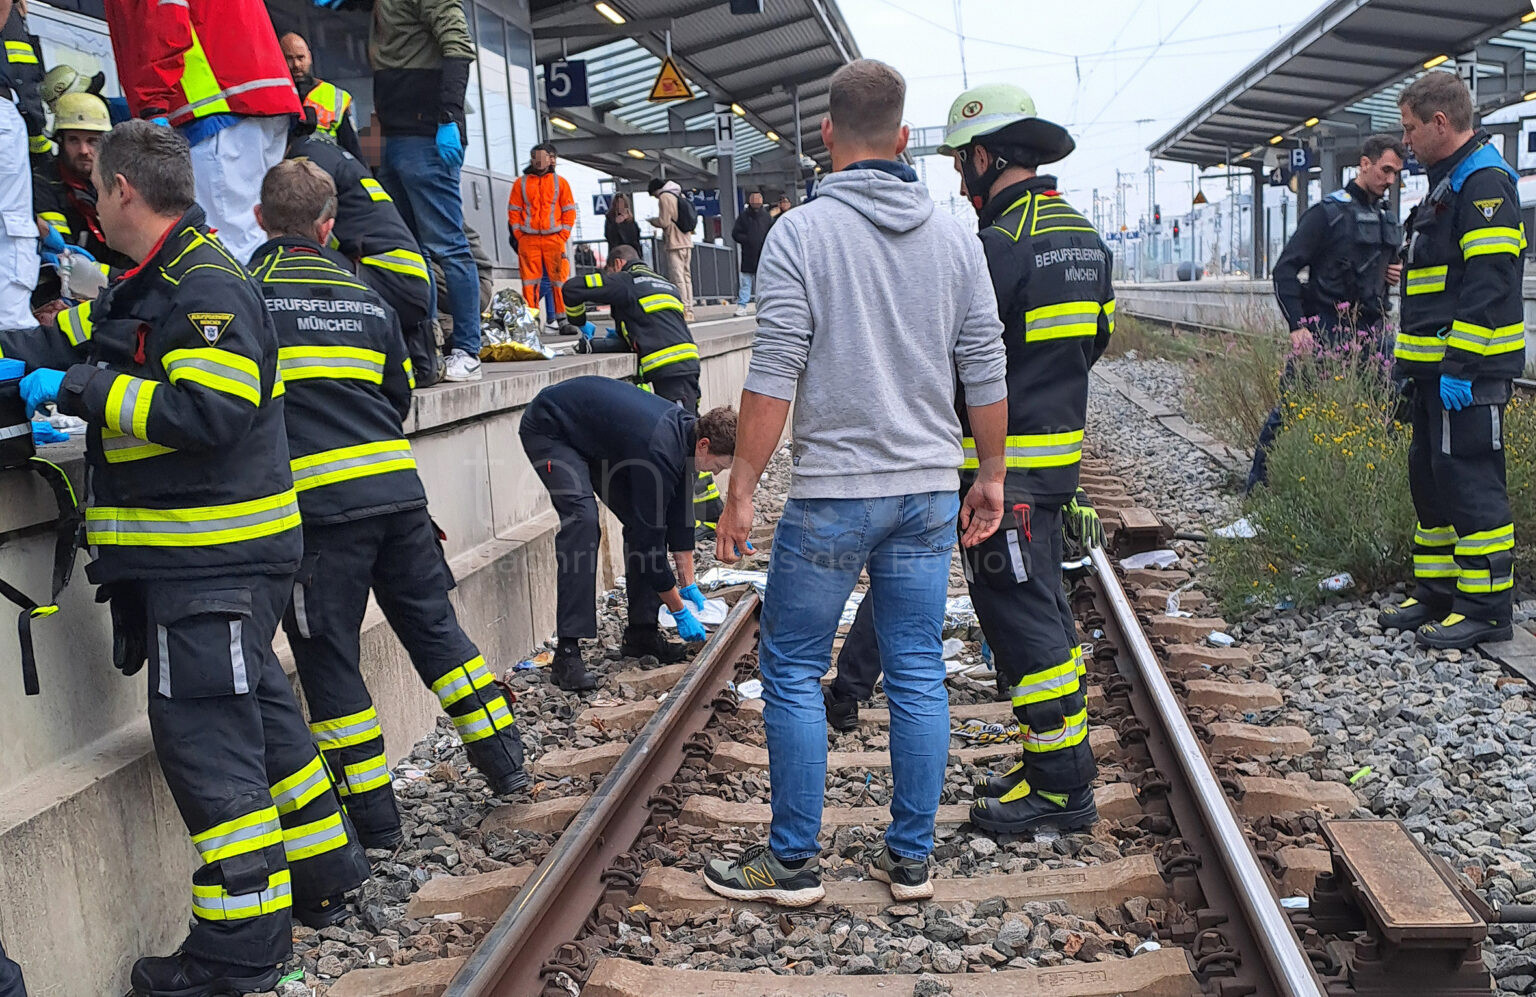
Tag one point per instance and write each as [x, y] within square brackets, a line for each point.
[687, 215]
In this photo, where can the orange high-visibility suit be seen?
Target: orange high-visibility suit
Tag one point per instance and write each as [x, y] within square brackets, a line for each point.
[540, 213]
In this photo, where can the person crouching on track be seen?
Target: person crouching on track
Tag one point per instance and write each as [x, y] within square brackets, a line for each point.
[594, 437]
[194, 527]
[648, 310]
[347, 381]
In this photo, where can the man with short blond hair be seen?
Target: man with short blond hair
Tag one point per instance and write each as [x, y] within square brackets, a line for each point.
[1461, 343]
[875, 473]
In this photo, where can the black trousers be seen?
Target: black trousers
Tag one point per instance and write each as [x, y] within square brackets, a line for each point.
[398, 557]
[707, 503]
[1463, 554]
[574, 487]
[260, 806]
[1329, 334]
[11, 983]
[411, 298]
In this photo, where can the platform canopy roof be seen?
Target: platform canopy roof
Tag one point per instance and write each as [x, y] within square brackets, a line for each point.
[753, 61]
[1345, 65]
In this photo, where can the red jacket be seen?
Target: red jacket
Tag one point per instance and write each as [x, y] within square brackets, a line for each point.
[186, 59]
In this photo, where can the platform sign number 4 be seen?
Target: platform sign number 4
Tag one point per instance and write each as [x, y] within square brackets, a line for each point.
[565, 83]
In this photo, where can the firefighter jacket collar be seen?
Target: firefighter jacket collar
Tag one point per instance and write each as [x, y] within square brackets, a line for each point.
[890, 204]
[193, 217]
[286, 242]
[1006, 198]
[1353, 192]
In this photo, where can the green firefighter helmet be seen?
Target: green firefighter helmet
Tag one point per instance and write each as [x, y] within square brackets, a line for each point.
[63, 79]
[1006, 113]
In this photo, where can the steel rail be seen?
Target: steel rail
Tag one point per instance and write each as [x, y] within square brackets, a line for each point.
[1271, 929]
[555, 902]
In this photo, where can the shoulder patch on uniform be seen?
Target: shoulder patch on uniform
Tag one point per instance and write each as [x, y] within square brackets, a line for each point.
[210, 325]
[1489, 206]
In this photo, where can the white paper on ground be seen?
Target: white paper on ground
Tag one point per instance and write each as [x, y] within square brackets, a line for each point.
[712, 615]
[1240, 529]
[1151, 559]
[750, 689]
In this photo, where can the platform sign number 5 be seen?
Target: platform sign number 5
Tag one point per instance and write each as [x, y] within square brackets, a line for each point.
[565, 83]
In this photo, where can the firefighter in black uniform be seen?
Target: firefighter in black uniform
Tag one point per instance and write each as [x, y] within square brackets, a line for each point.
[1051, 272]
[194, 524]
[1348, 245]
[62, 197]
[23, 73]
[371, 233]
[1462, 342]
[347, 390]
[649, 317]
[594, 436]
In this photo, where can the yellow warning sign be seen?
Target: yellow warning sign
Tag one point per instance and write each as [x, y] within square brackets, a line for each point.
[1200, 197]
[670, 84]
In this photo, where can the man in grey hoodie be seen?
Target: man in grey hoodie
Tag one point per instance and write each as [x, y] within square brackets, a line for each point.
[877, 446]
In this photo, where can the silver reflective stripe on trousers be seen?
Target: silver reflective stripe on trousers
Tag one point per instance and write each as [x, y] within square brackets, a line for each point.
[237, 658]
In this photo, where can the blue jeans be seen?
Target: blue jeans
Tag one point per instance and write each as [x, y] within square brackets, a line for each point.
[436, 211]
[745, 294]
[818, 550]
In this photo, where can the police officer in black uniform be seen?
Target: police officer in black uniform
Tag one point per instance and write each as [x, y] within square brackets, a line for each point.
[1051, 272]
[347, 386]
[194, 523]
[371, 233]
[1462, 342]
[649, 317]
[594, 437]
[1348, 245]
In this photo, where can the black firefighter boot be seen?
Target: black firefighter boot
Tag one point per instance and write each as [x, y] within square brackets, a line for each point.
[569, 671]
[500, 759]
[642, 641]
[1024, 810]
[1410, 614]
[1461, 632]
[1000, 785]
[182, 975]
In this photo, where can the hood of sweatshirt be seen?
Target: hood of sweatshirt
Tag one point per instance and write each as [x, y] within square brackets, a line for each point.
[889, 202]
[671, 187]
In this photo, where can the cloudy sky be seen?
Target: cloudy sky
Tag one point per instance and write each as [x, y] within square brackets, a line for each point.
[1117, 73]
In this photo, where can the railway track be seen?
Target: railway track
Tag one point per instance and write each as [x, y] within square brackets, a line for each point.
[1176, 892]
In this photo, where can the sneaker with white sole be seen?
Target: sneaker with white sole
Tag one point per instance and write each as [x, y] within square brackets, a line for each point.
[760, 875]
[741, 311]
[907, 878]
[460, 366]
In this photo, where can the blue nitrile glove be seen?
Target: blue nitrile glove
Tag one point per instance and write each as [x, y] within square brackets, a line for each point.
[612, 333]
[80, 251]
[40, 387]
[43, 432]
[51, 245]
[693, 595]
[588, 329]
[449, 145]
[1455, 393]
[329, 4]
[161, 120]
[688, 626]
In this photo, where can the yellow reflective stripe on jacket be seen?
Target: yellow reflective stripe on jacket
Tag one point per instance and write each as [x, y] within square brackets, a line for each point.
[343, 732]
[347, 463]
[1484, 341]
[1041, 687]
[75, 323]
[200, 526]
[410, 373]
[1109, 313]
[376, 190]
[406, 261]
[199, 84]
[1487, 542]
[1423, 349]
[128, 402]
[20, 53]
[1435, 566]
[219, 370]
[305, 841]
[670, 355]
[299, 789]
[39, 145]
[213, 903]
[593, 280]
[1041, 450]
[1426, 280]
[366, 775]
[1490, 240]
[120, 448]
[299, 363]
[461, 681]
[239, 836]
[1481, 581]
[57, 220]
[480, 724]
[1062, 321]
[660, 303]
[1073, 731]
